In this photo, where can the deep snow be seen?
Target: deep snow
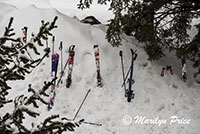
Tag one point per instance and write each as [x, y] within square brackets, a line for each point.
[156, 96]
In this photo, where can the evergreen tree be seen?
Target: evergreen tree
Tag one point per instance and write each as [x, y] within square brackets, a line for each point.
[15, 64]
[160, 24]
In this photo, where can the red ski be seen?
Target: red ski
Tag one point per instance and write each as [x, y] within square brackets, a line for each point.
[97, 60]
[70, 65]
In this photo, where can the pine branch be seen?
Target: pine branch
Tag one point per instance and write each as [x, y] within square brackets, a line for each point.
[51, 126]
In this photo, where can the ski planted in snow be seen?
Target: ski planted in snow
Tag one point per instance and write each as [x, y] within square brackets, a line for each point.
[24, 39]
[55, 59]
[24, 30]
[70, 65]
[184, 70]
[129, 93]
[97, 60]
[167, 68]
[62, 70]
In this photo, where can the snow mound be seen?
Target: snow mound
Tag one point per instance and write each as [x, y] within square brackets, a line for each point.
[26, 3]
[155, 96]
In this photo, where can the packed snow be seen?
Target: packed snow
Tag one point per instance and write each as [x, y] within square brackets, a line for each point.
[156, 98]
[68, 7]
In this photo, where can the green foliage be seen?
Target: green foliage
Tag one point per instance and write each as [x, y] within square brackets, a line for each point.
[84, 4]
[154, 51]
[113, 33]
[50, 126]
[159, 24]
[15, 63]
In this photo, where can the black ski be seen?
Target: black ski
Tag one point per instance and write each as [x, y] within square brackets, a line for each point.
[129, 93]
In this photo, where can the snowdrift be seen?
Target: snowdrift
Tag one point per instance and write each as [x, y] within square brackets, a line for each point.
[155, 96]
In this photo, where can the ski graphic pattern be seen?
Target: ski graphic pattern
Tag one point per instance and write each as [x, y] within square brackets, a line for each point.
[97, 60]
[24, 30]
[55, 59]
[70, 65]
[184, 70]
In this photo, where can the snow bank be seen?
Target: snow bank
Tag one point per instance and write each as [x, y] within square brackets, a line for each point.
[68, 7]
[155, 96]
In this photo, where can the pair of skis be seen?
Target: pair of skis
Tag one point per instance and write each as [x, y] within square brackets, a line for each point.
[167, 68]
[129, 92]
[70, 63]
[183, 71]
[55, 60]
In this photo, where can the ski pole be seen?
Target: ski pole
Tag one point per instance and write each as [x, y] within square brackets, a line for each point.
[133, 52]
[120, 53]
[81, 104]
[62, 73]
[90, 123]
[60, 48]
[46, 41]
[53, 40]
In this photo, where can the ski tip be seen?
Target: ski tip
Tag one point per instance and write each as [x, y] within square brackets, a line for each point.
[96, 46]
[100, 85]
[71, 47]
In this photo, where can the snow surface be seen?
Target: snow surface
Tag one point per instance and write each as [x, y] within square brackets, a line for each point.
[68, 7]
[156, 96]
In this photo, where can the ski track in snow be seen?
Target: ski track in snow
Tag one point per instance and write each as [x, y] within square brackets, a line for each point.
[155, 95]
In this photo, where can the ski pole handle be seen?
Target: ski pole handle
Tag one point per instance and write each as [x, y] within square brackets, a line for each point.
[135, 56]
[60, 45]
[133, 52]
[53, 39]
[120, 53]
